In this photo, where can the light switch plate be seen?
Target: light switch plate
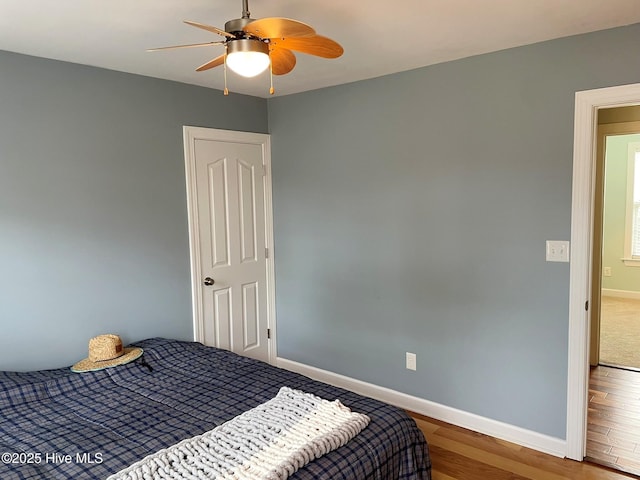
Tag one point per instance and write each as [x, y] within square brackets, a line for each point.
[557, 251]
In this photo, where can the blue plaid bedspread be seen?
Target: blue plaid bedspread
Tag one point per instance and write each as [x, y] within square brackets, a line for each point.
[55, 424]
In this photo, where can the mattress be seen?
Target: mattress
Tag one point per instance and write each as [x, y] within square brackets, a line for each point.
[55, 424]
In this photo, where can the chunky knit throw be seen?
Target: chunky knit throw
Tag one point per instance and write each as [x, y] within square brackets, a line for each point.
[269, 442]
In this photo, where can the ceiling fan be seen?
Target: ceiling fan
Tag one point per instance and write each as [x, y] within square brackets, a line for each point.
[253, 45]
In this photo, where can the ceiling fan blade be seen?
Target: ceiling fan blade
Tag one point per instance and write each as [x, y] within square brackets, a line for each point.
[277, 27]
[212, 63]
[282, 60]
[185, 46]
[317, 45]
[209, 28]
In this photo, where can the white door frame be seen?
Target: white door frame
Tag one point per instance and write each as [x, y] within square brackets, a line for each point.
[191, 134]
[584, 156]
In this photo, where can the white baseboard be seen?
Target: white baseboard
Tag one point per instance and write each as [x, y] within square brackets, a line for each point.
[610, 292]
[527, 438]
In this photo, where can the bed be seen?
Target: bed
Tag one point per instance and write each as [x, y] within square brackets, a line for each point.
[56, 424]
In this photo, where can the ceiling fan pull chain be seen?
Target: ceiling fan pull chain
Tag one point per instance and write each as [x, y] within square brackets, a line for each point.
[226, 90]
[271, 90]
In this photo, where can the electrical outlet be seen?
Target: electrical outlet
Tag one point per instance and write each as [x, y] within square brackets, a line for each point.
[411, 361]
[606, 271]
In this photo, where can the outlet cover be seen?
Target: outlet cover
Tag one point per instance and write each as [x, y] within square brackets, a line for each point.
[411, 361]
[557, 251]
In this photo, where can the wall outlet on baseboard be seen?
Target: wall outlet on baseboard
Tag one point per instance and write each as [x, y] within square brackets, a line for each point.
[606, 271]
[411, 361]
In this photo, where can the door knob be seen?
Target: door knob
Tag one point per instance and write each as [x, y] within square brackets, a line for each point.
[208, 281]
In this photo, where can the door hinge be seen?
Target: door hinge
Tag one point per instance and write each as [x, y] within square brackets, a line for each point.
[586, 305]
[266, 253]
[268, 333]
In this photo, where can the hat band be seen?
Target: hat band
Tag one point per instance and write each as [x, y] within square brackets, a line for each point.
[111, 358]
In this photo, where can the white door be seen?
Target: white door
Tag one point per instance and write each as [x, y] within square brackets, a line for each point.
[227, 172]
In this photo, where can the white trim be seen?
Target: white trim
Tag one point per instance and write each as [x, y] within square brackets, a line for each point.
[190, 134]
[610, 292]
[271, 271]
[527, 438]
[587, 104]
[194, 232]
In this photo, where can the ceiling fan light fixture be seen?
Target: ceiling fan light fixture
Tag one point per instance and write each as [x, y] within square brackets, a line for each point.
[248, 57]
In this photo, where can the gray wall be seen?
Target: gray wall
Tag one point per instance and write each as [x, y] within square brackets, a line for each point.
[411, 213]
[93, 216]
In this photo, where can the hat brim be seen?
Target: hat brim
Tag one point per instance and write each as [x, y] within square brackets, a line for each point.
[86, 365]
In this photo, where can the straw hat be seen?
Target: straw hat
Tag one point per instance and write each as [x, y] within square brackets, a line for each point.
[106, 351]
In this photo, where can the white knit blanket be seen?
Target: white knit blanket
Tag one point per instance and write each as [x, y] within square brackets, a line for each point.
[269, 442]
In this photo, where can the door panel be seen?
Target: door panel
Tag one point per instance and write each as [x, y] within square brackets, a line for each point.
[250, 314]
[219, 313]
[217, 226]
[246, 185]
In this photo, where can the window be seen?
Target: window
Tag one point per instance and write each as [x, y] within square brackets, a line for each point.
[632, 229]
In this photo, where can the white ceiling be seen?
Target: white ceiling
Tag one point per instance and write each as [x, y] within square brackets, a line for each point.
[379, 36]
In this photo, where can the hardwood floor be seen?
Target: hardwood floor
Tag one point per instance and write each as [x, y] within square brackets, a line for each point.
[613, 421]
[460, 454]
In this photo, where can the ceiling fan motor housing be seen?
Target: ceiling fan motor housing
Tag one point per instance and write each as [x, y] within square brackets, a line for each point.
[247, 45]
[236, 26]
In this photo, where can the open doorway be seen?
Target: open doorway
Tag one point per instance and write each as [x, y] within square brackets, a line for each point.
[587, 105]
[613, 419]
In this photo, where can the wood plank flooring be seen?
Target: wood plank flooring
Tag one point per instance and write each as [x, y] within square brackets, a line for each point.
[460, 454]
[613, 421]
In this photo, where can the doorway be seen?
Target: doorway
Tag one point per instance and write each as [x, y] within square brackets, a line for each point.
[587, 105]
[613, 426]
[615, 286]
